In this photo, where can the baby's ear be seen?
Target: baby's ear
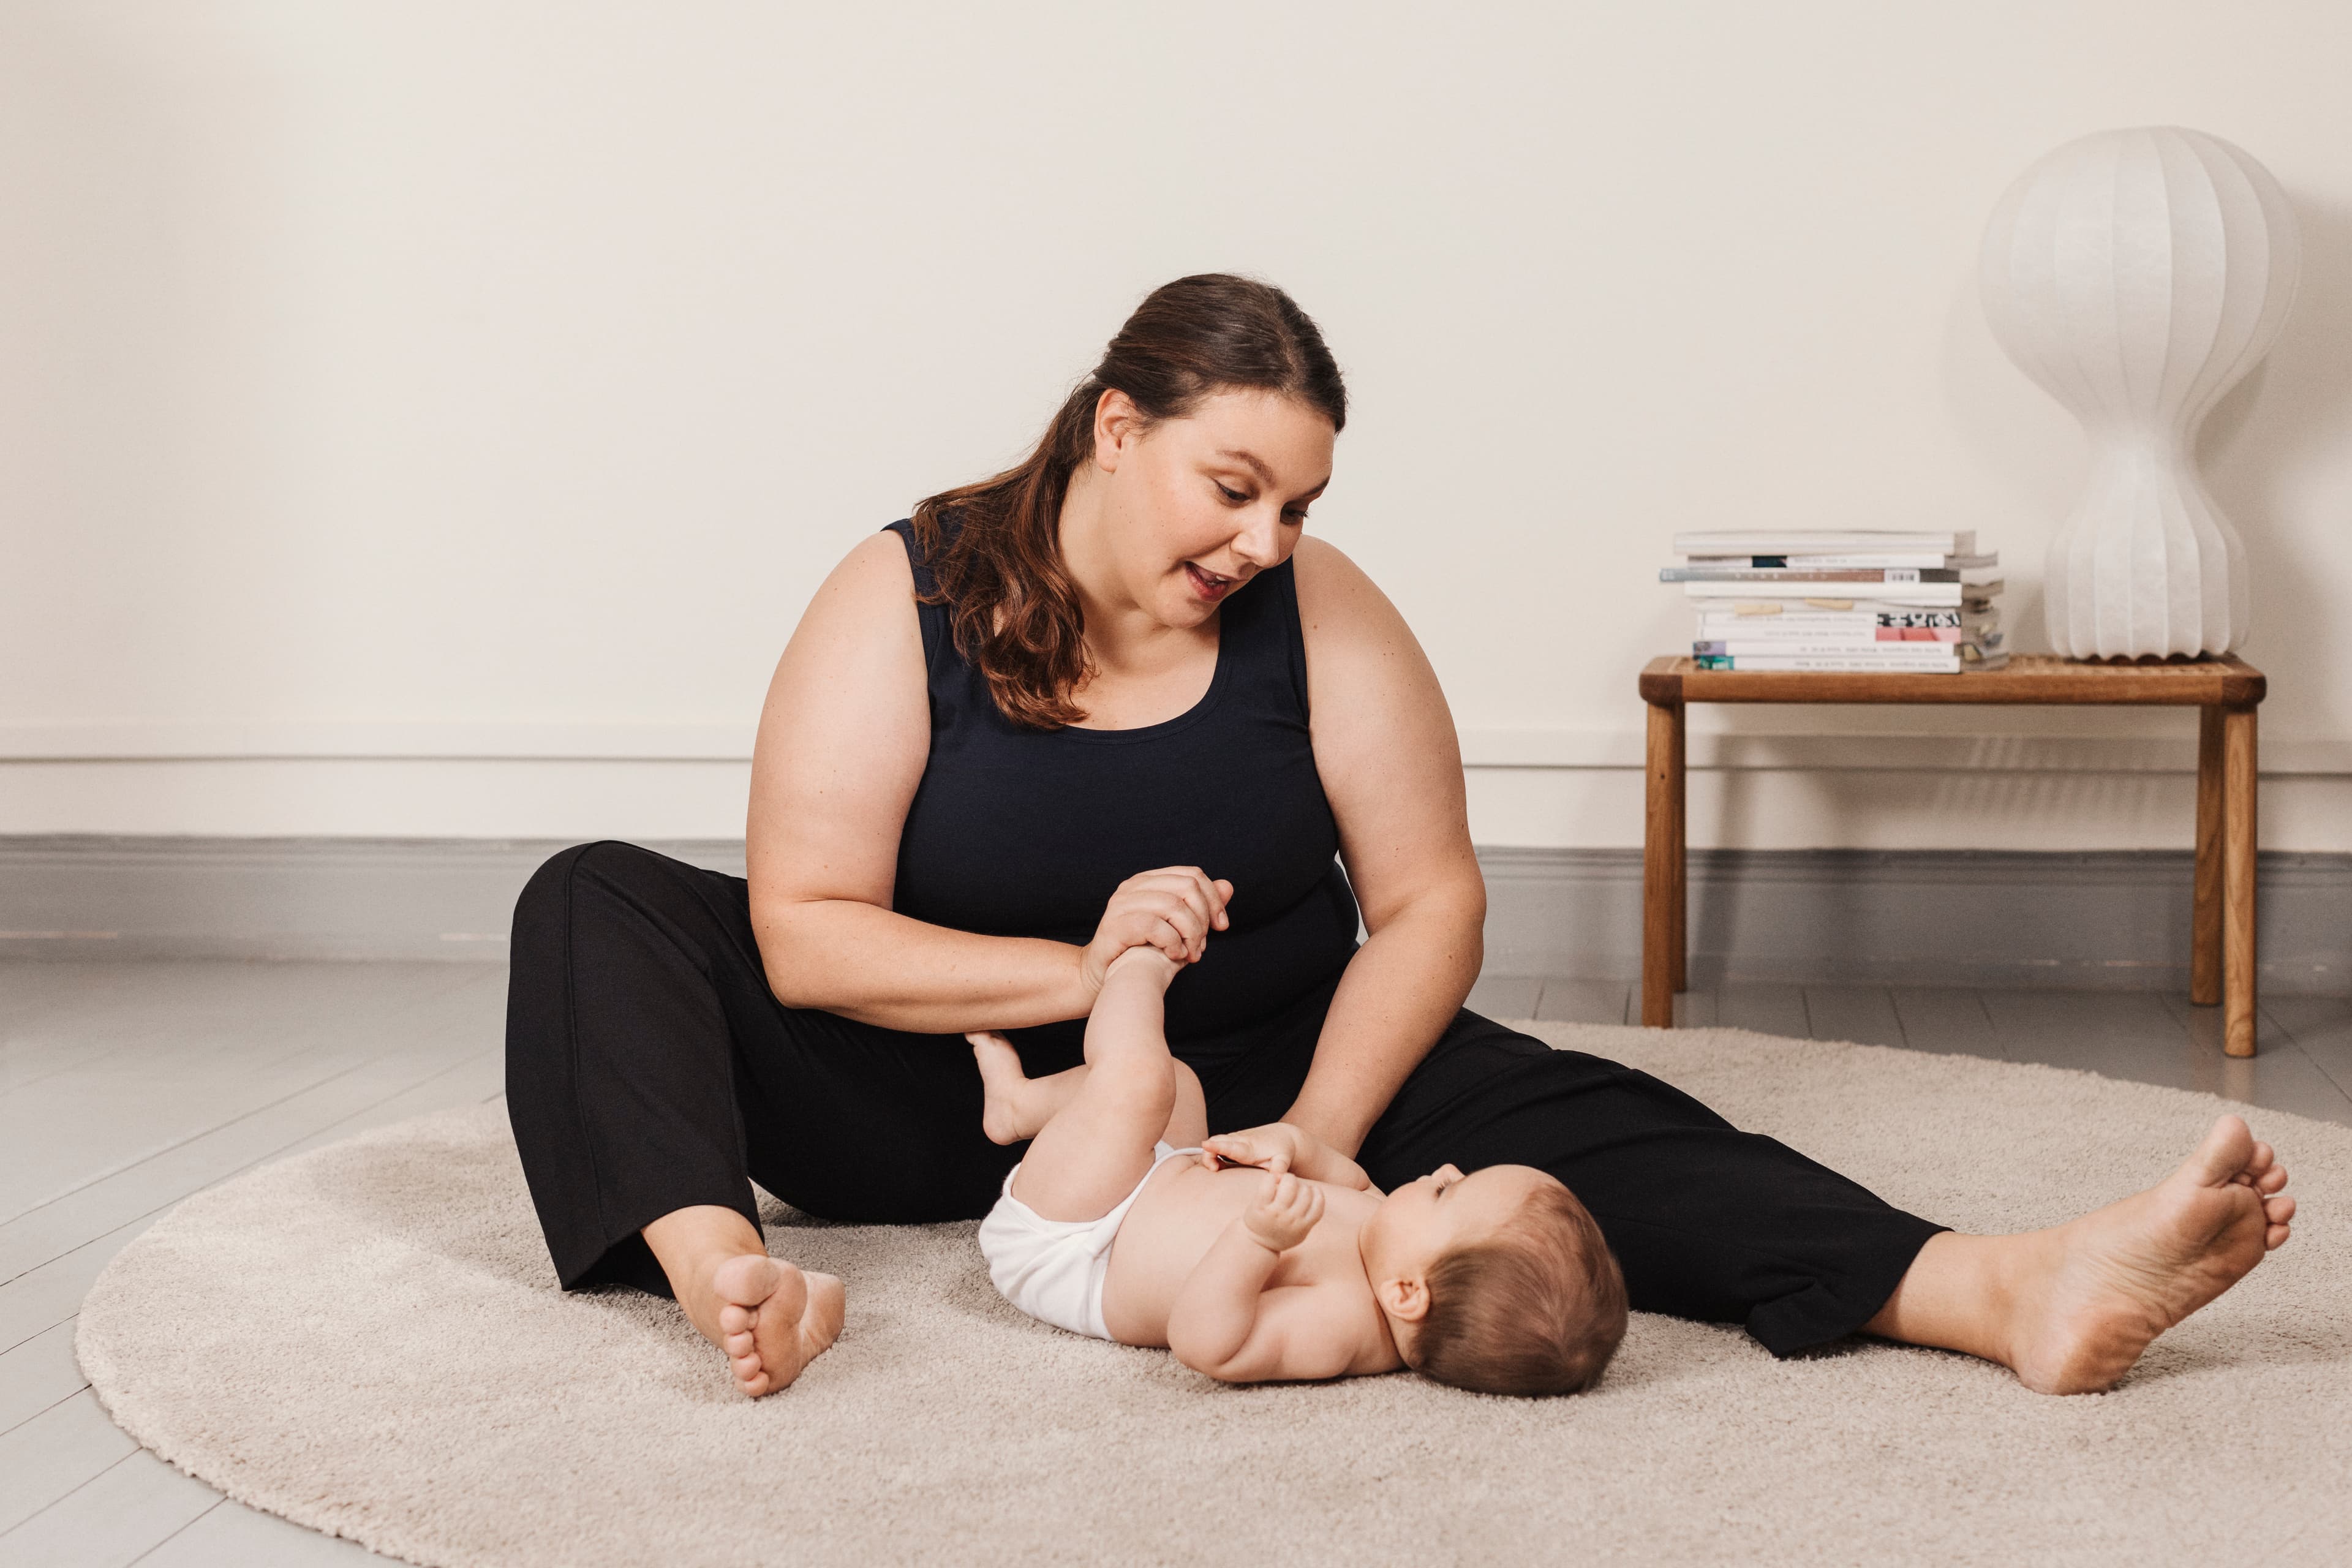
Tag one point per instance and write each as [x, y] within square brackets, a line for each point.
[1407, 1301]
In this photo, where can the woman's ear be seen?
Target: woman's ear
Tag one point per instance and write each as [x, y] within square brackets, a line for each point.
[1118, 423]
[1407, 1301]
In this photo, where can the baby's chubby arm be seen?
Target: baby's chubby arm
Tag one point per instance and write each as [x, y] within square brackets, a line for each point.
[1226, 1323]
[1279, 1146]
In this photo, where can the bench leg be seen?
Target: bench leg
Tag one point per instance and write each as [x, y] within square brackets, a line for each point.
[1678, 929]
[2205, 922]
[2238, 881]
[1661, 898]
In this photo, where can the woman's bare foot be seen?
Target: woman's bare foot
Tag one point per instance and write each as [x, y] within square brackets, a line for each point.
[1014, 1109]
[772, 1320]
[768, 1318]
[2095, 1293]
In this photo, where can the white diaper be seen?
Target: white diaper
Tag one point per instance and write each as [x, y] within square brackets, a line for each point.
[1054, 1270]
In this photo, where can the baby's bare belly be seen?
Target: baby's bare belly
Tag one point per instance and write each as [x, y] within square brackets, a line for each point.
[1182, 1212]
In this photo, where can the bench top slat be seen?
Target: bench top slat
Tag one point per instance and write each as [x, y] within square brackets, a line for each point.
[2033, 678]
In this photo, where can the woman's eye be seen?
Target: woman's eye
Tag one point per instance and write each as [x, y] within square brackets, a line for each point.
[1231, 494]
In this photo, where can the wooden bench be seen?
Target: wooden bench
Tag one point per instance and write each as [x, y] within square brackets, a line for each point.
[2223, 691]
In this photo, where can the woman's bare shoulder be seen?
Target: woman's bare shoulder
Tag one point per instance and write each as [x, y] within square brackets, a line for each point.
[1336, 598]
[864, 605]
[843, 736]
[876, 571]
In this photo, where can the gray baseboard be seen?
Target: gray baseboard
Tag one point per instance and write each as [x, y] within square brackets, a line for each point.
[2113, 920]
[2104, 921]
[89, 896]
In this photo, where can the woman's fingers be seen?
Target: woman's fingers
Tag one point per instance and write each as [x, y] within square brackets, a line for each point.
[1207, 896]
[1174, 941]
[1173, 909]
[1182, 900]
[1243, 1151]
[1165, 902]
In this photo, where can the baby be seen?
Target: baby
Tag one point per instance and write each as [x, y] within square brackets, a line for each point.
[1125, 1222]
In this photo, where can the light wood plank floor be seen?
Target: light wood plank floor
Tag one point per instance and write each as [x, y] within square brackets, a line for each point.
[124, 1087]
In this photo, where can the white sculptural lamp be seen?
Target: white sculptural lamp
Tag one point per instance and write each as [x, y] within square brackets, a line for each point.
[2136, 276]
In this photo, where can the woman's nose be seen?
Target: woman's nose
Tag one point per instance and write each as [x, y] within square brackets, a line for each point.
[1260, 540]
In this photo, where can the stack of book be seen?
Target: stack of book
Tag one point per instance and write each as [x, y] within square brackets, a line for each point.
[1920, 602]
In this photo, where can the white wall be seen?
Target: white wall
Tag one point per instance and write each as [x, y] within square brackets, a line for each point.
[427, 417]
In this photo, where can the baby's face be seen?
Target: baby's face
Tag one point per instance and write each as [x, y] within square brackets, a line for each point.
[1423, 1220]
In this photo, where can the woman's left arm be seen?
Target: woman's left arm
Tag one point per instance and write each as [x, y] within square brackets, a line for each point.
[1392, 768]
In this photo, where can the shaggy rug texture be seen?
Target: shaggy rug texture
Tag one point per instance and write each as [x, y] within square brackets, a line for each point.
[368, 1339]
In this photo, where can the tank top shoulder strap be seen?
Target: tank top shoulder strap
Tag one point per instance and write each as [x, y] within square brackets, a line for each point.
[1263, 649]
[1293, 631]
[933, 617]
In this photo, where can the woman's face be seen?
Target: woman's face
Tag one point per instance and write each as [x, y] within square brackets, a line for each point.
[1200, 505]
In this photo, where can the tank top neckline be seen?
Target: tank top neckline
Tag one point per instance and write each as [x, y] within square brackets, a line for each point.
[1190, 716]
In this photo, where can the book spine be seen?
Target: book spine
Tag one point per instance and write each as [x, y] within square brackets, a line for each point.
[1827, 663]
[1806, 574]
[1836, 542]
[1825, 594]
[1800, 563]
[1888, 639]
[1952, 616]
[1859, 625]
[1867, 653]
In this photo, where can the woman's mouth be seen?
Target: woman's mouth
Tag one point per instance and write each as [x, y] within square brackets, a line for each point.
[1208, 584]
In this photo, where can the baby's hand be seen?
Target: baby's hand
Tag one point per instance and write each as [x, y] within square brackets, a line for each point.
[1286, 1210]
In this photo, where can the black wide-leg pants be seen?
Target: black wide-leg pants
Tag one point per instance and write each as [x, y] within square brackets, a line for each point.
[649, 1069]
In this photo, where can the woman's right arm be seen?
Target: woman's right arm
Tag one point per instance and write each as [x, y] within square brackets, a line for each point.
[844, 738]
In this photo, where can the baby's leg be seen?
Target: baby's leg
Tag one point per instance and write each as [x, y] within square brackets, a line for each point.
[1018, 1106]
[1188, 1124]
[1096, 1148]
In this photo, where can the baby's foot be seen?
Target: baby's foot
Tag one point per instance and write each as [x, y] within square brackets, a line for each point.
[1147, 965]
[1011, 1112]
[2114, 1280]
[773, 1320]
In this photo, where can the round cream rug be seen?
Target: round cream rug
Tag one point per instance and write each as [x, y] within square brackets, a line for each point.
[368, 1339]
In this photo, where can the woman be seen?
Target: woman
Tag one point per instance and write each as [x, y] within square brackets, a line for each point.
[1113, 698]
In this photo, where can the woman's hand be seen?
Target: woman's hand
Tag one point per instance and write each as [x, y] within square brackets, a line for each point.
[1173, 909]
[1271, 1148]
[1279, 1147]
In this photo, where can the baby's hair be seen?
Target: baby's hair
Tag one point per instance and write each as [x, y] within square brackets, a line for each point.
[1538, 1308]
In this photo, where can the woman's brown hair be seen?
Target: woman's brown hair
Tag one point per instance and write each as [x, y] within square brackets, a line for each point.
[994, 548]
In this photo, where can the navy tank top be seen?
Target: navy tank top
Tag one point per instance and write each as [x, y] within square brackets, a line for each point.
[1027, 833]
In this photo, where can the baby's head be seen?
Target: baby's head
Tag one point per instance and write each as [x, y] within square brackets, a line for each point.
[1498, 1282]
